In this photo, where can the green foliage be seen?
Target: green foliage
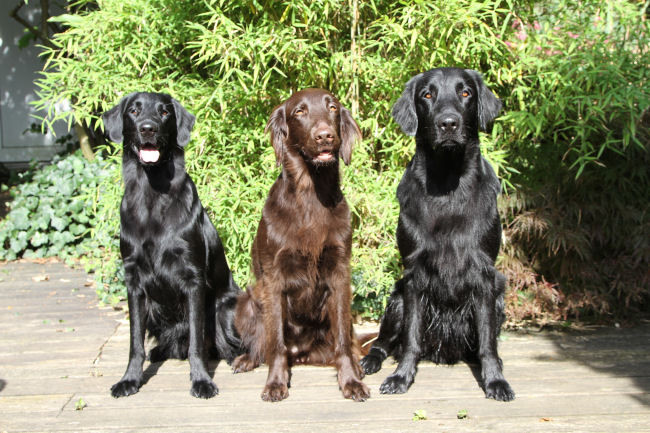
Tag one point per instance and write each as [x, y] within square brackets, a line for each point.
[52, 212]
[580, 82]
[577, 228]
[569, 101]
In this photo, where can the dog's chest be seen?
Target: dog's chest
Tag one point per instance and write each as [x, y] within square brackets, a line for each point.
[156, 232]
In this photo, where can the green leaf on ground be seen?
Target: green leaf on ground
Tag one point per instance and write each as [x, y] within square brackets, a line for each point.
[419, 415]
[80, 404]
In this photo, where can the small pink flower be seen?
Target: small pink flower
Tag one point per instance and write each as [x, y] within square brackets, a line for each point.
[536, 26]
[573, 35]
[521, 35]
[510, 44]
[516, 23]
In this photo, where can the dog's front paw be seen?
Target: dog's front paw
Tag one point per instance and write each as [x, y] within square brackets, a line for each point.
[243, 363]
[125, 388]
[371, 363]
[356, 390]
[499, 390]
[395, 384]
[275, 392]
[204, 389]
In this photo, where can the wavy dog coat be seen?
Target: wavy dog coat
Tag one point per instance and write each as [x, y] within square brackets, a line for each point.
[448, 305]
[298, 311]
[180, 288]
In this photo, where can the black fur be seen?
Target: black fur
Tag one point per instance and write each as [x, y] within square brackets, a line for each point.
[448, 306]
[180, 288]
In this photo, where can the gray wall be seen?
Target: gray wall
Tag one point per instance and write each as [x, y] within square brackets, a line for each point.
[18, 70]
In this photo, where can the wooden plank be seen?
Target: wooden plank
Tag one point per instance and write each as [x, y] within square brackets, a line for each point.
[597, 380]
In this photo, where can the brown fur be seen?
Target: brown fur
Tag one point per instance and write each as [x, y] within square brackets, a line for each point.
[298, 311]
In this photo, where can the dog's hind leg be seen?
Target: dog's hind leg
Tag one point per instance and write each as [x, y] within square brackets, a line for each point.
[389, 331]
[410, 335]
[249, 325]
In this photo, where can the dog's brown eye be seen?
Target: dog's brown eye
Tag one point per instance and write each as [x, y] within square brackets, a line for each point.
[165, 112]
[428, 95]
[333, 108]
[465, 93]
[299, 112]
[133, 111]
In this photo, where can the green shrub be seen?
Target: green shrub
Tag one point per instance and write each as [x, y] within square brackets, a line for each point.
[577, 226]
[568, 104]
[52, 213]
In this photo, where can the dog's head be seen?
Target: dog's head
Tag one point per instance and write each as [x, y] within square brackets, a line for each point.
[149, 124]
[312, 123]
[446, 106]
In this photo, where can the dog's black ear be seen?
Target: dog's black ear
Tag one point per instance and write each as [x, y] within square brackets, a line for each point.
[488, 104]
[404, 109]
[279, 130]
[184, 123]
[112, 120]
[350, 133]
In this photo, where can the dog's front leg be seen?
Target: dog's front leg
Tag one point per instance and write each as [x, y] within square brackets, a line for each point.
[277, 381]
[132, 379]
[495, 385]
[349, 370]
[404, 375]
[202, 384]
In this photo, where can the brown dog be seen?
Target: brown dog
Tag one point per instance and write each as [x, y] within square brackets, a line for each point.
[299, 309]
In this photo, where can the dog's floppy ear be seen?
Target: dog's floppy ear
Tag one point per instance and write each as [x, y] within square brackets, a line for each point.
[350, 133]
[488, 104]
[112, 120]
[279, 130]
[184, 123]
[404, 109]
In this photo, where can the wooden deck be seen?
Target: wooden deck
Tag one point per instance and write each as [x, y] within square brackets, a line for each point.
[57, 347]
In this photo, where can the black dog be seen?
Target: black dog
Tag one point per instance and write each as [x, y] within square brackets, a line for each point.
[448, 305]
[180, 287]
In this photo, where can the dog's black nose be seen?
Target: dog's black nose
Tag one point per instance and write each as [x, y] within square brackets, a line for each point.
[148, 128]
[448, 123]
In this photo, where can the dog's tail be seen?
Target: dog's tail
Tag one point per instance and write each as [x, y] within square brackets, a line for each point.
[227, 341]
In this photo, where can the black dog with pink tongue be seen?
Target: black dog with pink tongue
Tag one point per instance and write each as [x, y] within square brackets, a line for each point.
[180, 288]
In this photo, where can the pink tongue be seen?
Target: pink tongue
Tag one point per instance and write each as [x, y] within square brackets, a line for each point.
[149, 155]
[325, 156]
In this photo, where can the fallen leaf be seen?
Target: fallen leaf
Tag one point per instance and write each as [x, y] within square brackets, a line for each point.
[80, 404]
[64, 280]
[42, 277]
[544, 419]
[419, 415]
